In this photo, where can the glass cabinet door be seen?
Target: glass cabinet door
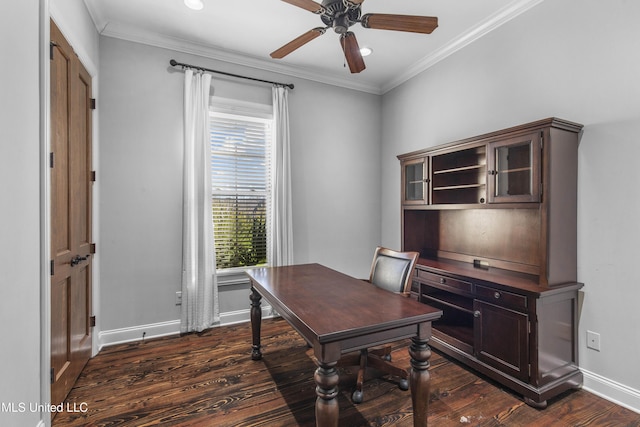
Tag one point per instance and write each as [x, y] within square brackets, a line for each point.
[514, 171]
[415, 181]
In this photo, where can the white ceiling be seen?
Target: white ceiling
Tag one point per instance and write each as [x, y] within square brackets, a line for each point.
[246, 31]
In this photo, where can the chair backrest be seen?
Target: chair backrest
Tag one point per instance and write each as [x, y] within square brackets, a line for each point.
[392, 270]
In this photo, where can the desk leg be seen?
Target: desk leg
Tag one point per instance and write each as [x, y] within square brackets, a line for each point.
[256, 321]
[419, 379]
[327, 407]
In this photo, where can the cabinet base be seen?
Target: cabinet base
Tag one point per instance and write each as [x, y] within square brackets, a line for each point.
[534, 404]
[535, 397]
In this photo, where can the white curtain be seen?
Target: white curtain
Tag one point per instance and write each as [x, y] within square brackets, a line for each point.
[200, 308]
[281, 242]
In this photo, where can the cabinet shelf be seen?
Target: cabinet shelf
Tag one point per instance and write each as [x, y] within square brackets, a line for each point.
[457, 335]
[514, 170]
[459, 187]
[461, 169]
[460, 194]
[449, 299]
[460, 177]
[431, 300]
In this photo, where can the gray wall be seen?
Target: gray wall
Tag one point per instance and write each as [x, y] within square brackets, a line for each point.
[335, 178]
[575, 60]
[20, 140]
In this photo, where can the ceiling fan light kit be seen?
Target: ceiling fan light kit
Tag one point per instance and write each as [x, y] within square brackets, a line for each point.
[194, 4]
[341, 15]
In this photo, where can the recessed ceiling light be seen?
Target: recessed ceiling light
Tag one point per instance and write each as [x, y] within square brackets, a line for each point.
[194, 4]
[366, 51]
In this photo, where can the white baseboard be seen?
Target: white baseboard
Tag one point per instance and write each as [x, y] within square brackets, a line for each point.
[135, 333]
[615, 392]
[172, 327]
[240, 316]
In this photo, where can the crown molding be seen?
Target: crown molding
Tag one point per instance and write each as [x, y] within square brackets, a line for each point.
[183, 46]
[512, 10]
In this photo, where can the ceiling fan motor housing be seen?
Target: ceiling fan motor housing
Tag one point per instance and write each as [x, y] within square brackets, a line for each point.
[339, 16]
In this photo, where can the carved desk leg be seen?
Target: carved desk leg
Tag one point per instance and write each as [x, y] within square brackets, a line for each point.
[256, 321]
[419, 379]
[327, 408]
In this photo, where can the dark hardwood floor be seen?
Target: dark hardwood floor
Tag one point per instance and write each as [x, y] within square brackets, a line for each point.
[209, 379]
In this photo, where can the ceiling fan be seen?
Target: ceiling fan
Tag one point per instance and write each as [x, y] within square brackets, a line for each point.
[341, 15]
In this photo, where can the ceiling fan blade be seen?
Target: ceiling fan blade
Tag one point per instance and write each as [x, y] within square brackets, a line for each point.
[297, 42]
[309, 5]
[409, 23]
[352, 52]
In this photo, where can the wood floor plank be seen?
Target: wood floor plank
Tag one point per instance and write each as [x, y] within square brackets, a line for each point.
[209, 379]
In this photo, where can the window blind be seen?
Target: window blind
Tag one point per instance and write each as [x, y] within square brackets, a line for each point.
[240, 178]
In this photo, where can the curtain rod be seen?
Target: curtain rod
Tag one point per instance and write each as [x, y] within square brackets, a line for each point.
[174, 63]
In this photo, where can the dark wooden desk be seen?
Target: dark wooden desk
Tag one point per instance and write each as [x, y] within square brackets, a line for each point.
[338, 314]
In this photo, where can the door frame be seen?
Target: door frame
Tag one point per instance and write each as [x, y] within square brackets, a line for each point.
[47, 13]
[45, 212]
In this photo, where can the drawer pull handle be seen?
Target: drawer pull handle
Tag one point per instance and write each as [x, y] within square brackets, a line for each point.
[496, 295]
[476, 313]
[443, 280]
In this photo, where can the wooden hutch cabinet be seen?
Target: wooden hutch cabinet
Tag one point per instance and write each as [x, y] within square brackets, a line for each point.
[494, 220]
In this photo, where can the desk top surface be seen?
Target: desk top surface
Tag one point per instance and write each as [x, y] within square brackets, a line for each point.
[327, 305]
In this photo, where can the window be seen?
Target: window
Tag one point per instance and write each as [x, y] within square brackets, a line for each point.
[240, 174]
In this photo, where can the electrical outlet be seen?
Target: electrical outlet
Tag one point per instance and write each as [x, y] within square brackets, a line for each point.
[179, 298]
[593, 340]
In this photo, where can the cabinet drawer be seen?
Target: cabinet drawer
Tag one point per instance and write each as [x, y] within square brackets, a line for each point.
[502, 297]
[445, 281]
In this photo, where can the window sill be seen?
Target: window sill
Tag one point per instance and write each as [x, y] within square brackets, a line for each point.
[234, 276]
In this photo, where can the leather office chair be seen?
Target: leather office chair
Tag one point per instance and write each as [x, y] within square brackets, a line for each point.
[392, 271]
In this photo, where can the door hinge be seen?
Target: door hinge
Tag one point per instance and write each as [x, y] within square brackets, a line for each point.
[529, 369]
[541, 139]
[53, 375]
[92, 176]
[92, 248]
[51, 160]
[51, 266]
[92, 321]
[92, 103]
[52, 44]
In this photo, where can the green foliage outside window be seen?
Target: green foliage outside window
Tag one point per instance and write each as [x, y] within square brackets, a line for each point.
[240, 232]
